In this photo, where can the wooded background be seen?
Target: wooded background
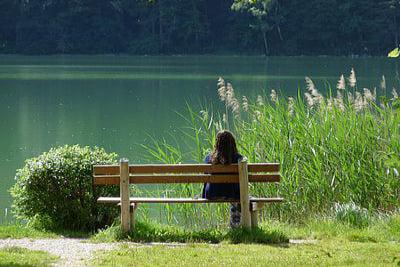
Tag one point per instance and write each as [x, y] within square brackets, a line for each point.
[273, 27]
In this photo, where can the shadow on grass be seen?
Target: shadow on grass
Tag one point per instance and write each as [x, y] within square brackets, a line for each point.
[146, 232]
[257, 235]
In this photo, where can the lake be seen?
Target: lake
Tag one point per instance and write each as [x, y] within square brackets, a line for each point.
[118, 102]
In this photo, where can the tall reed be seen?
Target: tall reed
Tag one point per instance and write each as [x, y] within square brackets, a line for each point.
[339, 148]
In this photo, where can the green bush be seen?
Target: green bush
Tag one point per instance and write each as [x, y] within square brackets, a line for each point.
[55, 189]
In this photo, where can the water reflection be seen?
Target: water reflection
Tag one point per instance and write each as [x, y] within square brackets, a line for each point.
[116, 101]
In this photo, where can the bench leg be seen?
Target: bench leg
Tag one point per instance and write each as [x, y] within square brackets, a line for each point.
[255, 208]
[254, 219]
[132, 211]
[245, 219]
[124, 195]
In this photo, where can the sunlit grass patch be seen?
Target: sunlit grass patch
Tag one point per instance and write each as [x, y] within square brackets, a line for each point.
[16, 256]
[150, 232]
[323, 253]
[380, 229]
[17, 231]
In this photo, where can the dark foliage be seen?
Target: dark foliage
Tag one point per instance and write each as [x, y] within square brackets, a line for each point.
[294, 27]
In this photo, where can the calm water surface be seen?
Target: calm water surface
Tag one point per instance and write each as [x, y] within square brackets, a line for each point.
[117, 102]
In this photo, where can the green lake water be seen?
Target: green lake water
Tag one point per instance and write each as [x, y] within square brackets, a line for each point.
[117, 102]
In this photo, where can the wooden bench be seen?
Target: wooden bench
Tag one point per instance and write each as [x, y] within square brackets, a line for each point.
[242, 173]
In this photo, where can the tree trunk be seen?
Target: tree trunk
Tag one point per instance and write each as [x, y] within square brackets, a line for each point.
[279, 32]
[160, 28]
[264, 33]
[396, 31]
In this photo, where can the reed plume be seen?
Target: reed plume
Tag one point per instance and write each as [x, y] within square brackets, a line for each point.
[352, 78]
[394, 93]
[221, 85]
[291, 106]
[383, 83]
[330, 104]
[341, 85]
[274, 96]
[309, 100]
[260, 100]
[316, 97]
[339, 101]
[369, 96]
[231, 100]
[358, 102]
[245, 103]
[350, 97]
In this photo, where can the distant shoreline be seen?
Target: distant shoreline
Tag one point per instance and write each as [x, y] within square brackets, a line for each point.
[194, 55]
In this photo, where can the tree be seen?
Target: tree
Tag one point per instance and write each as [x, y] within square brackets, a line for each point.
[266, 14]
[394, 10]
[8, 19]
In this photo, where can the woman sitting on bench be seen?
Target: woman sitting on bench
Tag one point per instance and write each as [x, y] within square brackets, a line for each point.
[225, 152]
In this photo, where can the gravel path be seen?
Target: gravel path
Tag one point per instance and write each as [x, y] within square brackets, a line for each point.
[72, 251]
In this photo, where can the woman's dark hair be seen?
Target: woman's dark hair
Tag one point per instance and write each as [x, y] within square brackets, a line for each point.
[225, 148]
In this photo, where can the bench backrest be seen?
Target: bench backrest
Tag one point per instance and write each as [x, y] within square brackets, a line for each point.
[185, 173]
[241, 173]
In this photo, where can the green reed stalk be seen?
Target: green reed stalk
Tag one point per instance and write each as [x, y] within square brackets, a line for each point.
[341, 149]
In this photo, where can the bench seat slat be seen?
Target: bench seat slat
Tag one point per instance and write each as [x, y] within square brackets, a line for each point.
[200, 178]
[184, 168]
[116, 200]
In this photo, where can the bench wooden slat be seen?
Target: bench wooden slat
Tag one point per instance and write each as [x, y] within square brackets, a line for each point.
[184, 168]
[264, 167]
[117, 200]
[200, 178]
[106, 170]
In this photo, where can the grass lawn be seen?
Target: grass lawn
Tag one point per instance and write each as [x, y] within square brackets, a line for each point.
[335, 244]
[379, 230]
[15, 256]
[21, 231]
[329, 242]
[323, 253]
[17, 231]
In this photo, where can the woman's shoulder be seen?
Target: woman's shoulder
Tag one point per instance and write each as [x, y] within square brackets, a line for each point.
[237, 157]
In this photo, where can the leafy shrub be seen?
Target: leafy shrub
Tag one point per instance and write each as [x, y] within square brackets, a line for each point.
[55, 189]
[352, 214]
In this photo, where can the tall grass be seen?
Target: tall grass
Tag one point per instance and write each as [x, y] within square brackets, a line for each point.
[340, 148]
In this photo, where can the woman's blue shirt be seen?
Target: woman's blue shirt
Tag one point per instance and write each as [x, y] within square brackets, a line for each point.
[222, 190]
